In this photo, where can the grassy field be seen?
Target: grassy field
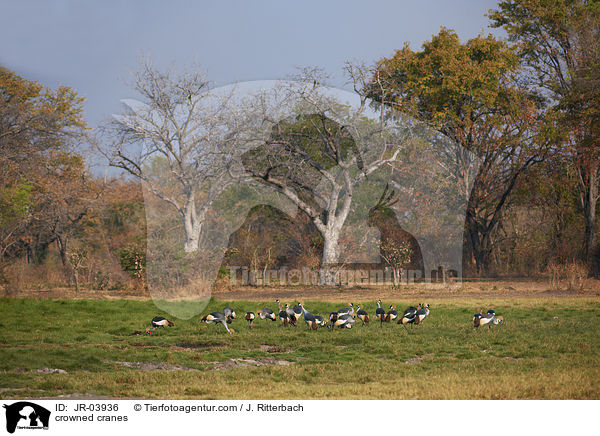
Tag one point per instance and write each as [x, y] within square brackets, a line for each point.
[547, 349]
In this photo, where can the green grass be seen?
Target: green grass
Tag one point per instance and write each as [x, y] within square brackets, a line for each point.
[547, 348]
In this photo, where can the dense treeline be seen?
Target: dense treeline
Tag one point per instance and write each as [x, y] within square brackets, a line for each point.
[528, 108]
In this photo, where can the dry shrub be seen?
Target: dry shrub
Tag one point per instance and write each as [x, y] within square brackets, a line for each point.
[573, 273]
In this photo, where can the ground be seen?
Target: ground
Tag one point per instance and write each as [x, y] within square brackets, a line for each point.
[548, 348]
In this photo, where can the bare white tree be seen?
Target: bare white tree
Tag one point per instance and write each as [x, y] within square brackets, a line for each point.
[180, 140]
[318, 157]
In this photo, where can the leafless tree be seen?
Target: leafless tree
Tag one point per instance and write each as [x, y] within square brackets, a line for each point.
[180, 141]
[318, 156]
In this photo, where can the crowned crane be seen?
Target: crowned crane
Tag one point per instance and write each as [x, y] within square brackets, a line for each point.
[333, 316]
[421, 314]
[379, 312]
[409, 316]
[362, 315]
[229, 314]
[283, 316]
[309, 318]
[249, 318]
[292, 317]
[297, 312]
[488, 319]
[392, 314]
[320, 320]
[266, 314]
[347, 310]
[343, 321]
[159, 321]
[217, 318]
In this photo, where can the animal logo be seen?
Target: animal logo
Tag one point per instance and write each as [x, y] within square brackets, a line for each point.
[25, 414]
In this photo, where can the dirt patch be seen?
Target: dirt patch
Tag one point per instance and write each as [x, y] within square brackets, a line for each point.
[416, 360]
[479, 288]
[40, 371]
[50, 371]
[470, 288]
[201, 345]
[153, 366]
[240, 363]
[272, 348]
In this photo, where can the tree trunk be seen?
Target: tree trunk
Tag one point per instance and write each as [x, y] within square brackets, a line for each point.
[589, 199]
[331, 248]
[478, 246]
[331, 256]
[193, 225]
[62, 249]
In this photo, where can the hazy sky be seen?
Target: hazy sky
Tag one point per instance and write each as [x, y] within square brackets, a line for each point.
[92, 45]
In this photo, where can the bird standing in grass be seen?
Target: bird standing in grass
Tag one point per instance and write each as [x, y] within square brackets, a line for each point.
[266, 314]
[320, 320]
[297, 312]
[283, 316]
[309, 318]
[488, 319]
[217, 318]
[346, 310]
[159, 321]
[421, 314]
[249, 318]
[291, 315]
[409, 316]
[343, 321]
[380, 313]
[391, 315]
[362, 315]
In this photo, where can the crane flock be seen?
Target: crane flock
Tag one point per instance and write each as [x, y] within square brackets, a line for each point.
[344, 318]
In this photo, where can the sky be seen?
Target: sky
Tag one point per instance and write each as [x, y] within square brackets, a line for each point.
[92, 46]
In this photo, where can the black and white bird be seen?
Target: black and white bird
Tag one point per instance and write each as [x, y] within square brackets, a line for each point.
[343, 321]
[283, 316]
[362, 315]
[229, 314]
[379, 312]
[266, 314]
[217, 318]
[250, 319]
[392, 314]
[159, 321]
[422, 313]
[488, 319]
[346, 310]
[291, 315]
[309, 318]
[409, 316]
[297, 311]
[320, 320]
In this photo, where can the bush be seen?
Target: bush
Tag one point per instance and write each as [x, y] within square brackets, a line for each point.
[133, 260]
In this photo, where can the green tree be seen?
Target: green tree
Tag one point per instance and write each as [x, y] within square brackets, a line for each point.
[559, 41]
[38, 127]
[469, 92]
